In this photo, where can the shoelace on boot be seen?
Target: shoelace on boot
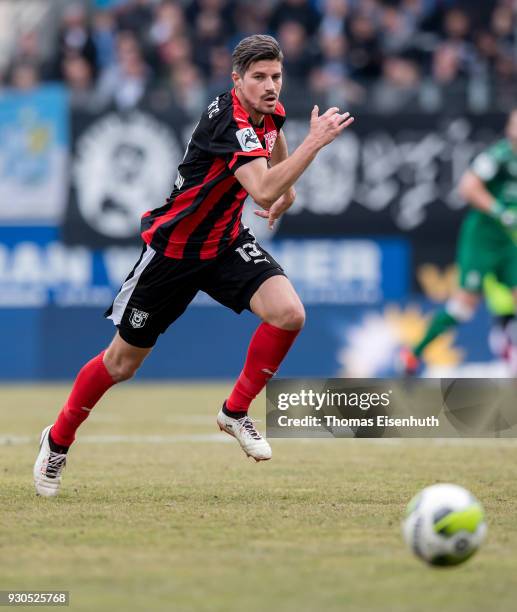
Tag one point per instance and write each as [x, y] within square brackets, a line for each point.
[56, 462]
[247, 423]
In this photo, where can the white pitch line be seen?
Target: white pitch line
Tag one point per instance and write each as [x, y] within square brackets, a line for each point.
[12, 440]
[16, 440]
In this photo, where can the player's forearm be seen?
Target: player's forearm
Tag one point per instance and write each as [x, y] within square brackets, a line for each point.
[477, 195]
[279, 154]
[280, 151]
[472, 190]
[282, 176]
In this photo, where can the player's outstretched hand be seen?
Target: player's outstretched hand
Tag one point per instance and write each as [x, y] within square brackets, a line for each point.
[325, 128]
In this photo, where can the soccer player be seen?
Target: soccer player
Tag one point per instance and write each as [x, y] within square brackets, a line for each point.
[196, 241]
[488, 237]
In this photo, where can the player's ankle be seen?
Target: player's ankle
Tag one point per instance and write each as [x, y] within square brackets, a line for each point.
[55, 447]
[235, 412]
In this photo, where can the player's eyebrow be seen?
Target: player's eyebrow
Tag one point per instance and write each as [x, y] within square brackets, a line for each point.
[258, 73]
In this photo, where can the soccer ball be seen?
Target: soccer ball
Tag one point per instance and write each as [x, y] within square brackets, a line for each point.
[444, 525]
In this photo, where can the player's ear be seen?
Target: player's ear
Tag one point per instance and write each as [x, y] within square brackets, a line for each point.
[236, 78]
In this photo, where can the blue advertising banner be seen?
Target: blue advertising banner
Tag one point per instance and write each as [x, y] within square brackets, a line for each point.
[34, 155]
[52, 297]
[38, 270]
[210, 343]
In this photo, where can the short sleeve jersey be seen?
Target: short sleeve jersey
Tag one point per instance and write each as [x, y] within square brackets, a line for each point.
[496, 167]
[202, 216]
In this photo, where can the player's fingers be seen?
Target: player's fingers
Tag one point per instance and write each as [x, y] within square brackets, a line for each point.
[262, 213]
[346, 123]
[315, 111]
[331, 111]
[338, 119]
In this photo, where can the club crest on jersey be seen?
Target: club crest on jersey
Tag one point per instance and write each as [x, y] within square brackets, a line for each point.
[138, 318]
[270, 138]
[248, 139]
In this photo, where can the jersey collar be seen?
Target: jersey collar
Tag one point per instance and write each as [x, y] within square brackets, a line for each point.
[237, 103]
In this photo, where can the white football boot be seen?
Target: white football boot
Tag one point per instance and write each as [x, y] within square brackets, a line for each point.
[243, 429]
[48, 468]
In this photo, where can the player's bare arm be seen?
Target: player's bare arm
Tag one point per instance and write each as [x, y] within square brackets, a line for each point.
[279, 154]
[266, 185]
[473, 190]
[280, 151]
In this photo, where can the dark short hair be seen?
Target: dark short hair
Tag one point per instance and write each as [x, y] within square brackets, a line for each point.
[253, 49]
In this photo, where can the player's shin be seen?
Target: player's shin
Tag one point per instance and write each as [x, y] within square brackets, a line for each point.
[90, 385]
[268, 347]
[454, 313]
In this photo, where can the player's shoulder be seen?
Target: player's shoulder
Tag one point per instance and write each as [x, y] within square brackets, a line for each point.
[223, 113]
[487, 164]
[218, 108]
[500, 150]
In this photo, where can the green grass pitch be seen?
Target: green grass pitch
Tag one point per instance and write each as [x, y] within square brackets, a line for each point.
[184, 522]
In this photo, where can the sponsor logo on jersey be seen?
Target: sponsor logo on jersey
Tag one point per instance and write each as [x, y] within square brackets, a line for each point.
[138, 318]
[270, 138]
[248, 139]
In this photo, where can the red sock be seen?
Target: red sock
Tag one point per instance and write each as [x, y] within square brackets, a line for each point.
[90, 385]
[268, 347]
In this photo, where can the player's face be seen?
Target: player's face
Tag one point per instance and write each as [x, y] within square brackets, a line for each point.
[259, 87]
[511, 128]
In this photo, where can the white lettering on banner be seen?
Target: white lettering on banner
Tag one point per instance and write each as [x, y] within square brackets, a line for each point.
[23, 297]
[25, 265]
[316, 263]
[68, 265]
[405, 171]
[322, 271]
[324, 262]
[28, 263]
[83, 296]
[359, 260]
[332, 271]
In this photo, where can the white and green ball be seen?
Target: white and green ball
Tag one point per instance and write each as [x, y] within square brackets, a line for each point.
[444, 525]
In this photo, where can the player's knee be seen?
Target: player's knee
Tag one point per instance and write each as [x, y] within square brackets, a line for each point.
[461, 310]
[290, 317]
[122, 367]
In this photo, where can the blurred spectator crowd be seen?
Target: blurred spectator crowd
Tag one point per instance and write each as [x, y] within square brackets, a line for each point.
[380, 55]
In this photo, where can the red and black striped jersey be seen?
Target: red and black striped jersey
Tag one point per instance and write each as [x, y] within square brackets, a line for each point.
[202, 216]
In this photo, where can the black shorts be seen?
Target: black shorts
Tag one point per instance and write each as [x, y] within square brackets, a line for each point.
[159, 289]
